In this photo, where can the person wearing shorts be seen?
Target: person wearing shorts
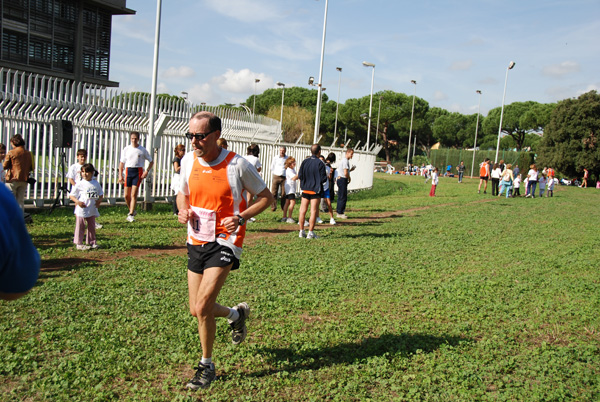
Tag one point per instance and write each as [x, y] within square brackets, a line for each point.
[312, 175]
[213, 202]
[484, 175]
[131, 171]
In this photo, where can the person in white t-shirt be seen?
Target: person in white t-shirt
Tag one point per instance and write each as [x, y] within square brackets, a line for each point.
[74, 173]
[133, 159]
[252, 157]
[291, 188]
[87, 195]
[278, 172]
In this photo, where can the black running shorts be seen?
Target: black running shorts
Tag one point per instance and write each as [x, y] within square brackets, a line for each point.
[210, 255]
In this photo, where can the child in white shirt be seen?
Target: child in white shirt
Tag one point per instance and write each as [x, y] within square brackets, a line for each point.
[516, 186]
[434, 181]
[551, 182]
[87, 195]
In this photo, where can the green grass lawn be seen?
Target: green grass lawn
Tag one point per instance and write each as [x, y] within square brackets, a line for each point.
[460, 297]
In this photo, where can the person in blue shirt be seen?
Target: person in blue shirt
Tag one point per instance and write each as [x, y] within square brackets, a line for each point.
[19, 259]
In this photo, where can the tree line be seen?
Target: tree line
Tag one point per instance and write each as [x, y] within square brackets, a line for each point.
[563, 135]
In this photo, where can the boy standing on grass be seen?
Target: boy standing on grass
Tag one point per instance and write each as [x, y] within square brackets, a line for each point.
[212, 201]
[87, 196]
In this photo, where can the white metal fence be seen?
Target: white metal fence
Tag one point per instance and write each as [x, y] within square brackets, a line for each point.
[102, 121]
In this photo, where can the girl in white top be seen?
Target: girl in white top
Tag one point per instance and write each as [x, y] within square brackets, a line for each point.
[291, 188]
[87, 195]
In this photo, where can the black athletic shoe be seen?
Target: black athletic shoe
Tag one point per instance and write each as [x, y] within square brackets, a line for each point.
[204, 376]
[238, 327]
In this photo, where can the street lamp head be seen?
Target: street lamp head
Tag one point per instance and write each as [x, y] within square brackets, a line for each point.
[367, 64]
[478, 91]
[414, 82]
[364, 115]
[281, 84]
[511, 65]
[339, 69]
[185, 94]
[311, 80]
[256, 80]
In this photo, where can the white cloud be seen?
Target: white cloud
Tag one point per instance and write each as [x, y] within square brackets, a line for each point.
[561, 69]
[246, 11]
[439, 96]
[288, 49]
[162, 88]
[488, 81]
[178, 72]
[461, 65]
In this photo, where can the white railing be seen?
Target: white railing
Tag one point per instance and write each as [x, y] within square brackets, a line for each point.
[102, 121]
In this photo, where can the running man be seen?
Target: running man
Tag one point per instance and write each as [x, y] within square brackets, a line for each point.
[213, 203]
[133, 159]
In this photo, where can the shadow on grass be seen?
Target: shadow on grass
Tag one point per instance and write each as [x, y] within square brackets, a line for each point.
[404, 345]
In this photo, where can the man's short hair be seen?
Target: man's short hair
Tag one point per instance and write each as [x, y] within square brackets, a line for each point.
[214, 122]
[82, 152]
[315, 149]
[283, 147]
[136, 133]
[350, 150]
[17, 140]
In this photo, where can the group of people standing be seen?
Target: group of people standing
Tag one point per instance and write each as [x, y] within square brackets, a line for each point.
[506, 178]
[316, 178]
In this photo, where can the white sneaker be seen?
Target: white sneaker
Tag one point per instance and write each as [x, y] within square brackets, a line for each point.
[306, 224]
[341, 216]
[290, 220]
[332, 221]
[302, 233]
[98, 226]
[312, 235]
[319, 220]
[130, 218]
[83, 247]
[94, 246]
[253, 219]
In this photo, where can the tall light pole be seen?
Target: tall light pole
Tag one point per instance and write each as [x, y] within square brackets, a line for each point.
[256, 81]
[318, 114]
[476, 129]
[510, 66]
[151, 116]
[367, 64]
[337, 105]
[378, 113]
[412, 113]
[282, 85]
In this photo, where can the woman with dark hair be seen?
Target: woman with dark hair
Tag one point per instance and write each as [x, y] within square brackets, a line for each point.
[17, 164]
[179, 153]
[329, 161]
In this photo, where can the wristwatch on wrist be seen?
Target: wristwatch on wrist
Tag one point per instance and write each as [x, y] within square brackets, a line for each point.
[241, 220]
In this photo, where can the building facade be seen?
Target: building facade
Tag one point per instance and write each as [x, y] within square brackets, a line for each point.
[68, 39]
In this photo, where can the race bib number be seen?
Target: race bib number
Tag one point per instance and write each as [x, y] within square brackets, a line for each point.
[202, 226]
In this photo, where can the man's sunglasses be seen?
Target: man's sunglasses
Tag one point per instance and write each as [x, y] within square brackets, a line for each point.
[198, 136]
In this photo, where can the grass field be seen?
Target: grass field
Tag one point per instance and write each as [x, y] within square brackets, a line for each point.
[461, 297]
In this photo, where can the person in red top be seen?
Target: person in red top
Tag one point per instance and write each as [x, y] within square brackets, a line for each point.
[212, 201]
[484, 175]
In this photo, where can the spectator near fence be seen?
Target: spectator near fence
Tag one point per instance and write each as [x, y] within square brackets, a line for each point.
[312, 175]
[133, 159]
[18, 163]
[278, 182]
[343, 180]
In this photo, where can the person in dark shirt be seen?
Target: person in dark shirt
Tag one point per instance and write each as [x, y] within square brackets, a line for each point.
[312, 175]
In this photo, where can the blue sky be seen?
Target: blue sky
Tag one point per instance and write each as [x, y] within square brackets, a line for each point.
[214, 49]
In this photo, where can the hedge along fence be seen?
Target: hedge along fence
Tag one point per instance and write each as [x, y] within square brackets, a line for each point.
[449, 156]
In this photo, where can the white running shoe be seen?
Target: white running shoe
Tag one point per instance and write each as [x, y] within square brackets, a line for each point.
[319, 220]
[342, 216]
[332, 221]
[83, 247]
[290, 220]
[98, 226]
[302, 233]
[253, 219]
[312, 235]
[130, 218]
[94, 246]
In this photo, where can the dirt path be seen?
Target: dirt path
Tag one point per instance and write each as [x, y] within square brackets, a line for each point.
[102, 256]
